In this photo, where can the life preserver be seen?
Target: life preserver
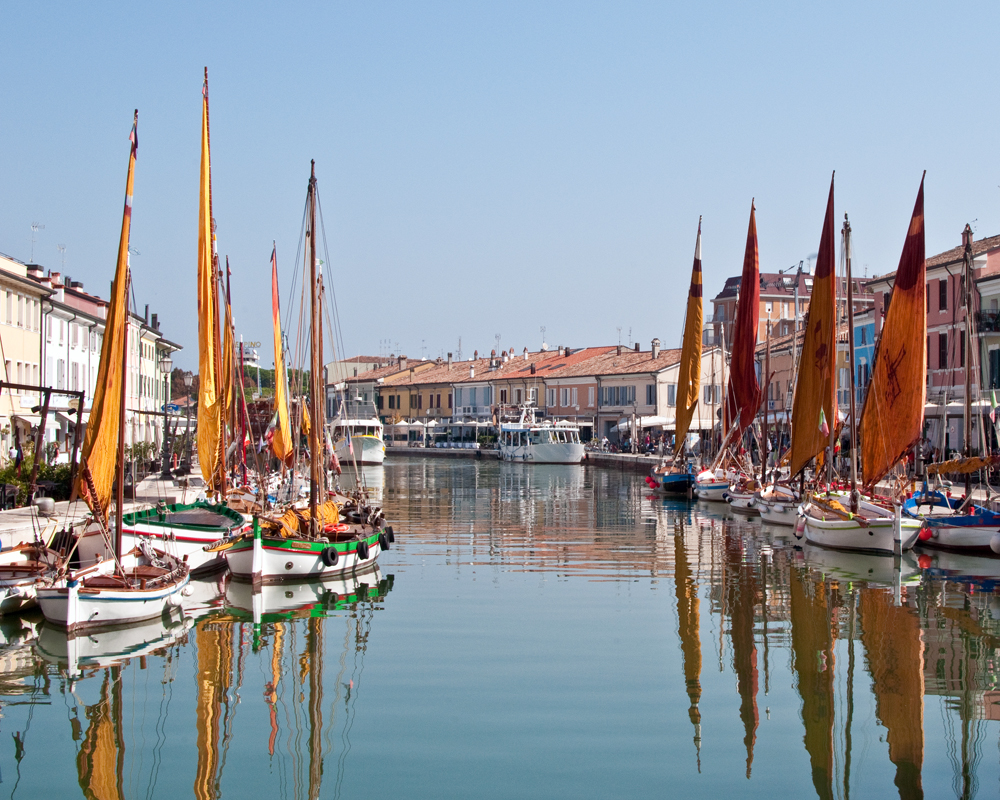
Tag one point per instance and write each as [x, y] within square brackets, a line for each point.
[330, 556]
[334, 527]
[362, 551]
[383, 541]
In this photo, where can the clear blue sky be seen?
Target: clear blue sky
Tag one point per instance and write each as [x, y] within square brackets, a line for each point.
[491, 168]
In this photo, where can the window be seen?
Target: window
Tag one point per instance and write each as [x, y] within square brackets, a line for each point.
[472, 396]
[36, 307]
[75, 377]
[650, 394]
[576, 402]
[961, 351]
[863, 337]
[60, 374]
[392, 401]
[458, 397]
[768, 307]
[517, 396]
[550, 397]
[711, 394]
[564, 397]
[413, 401]
[438, 403]
[942, 351]
[449, 400]
[671, 394]
[420, 401]
[503, 397]
[10, 308]
[591, 393]
[533, 394]
[943, 294]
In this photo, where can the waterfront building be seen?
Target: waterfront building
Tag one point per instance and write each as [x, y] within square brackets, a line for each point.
[571, 388]
[20, 335]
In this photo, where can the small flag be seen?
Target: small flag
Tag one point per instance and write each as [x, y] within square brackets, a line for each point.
[134, 135]
[823, 426]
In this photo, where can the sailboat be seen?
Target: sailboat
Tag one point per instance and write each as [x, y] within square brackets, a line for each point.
[743, 389]
[958, 523]
[186, 528]
[892, 416]
[142, 582]
[675, 478]
[309, 540]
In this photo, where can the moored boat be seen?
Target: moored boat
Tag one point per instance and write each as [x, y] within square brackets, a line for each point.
[540, 442]
[778, 504]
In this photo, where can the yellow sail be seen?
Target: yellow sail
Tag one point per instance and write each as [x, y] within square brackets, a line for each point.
[895, 654]
[210, 400]
[281, 441]
[893, 415]
[689, 380]
[815, 390]
[227, 372]
[100, 445]
[101, 757]
[213, 679]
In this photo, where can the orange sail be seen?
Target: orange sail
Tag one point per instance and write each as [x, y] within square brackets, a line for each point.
[816, 389]
[895, 654]
[100, 445]
[743, 392]
[281, 442]
[210, 398]
[893, 415]
[689, 380]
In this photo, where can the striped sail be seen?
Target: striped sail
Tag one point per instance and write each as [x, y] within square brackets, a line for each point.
[743, 392]
[816, 389]
[100, 444]
[281, 442]
[689, 380]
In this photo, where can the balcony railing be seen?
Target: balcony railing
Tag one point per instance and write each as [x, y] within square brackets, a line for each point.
[988, 321]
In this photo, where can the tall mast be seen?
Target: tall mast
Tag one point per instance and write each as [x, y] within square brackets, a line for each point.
[767, 396]
[967, 300]
[315, 366]
[120, 477]
[850, 362]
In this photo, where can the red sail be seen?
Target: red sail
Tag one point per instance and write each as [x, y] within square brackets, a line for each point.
[743, 392]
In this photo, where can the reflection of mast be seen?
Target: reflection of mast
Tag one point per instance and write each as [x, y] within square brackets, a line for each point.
[812, 660]
[895, 655]
[214, 658]
[742, 600]
[686, 588]
[101, 761]
[271, 690]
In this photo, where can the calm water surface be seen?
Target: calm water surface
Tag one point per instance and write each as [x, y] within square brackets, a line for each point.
[535, 632]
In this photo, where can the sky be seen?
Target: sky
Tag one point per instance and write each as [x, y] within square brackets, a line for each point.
[489, 168]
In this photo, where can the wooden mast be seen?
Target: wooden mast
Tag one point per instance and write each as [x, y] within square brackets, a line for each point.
[967, 300]
[120, 477]
[850, 365]
[766, 403]
[315, 366]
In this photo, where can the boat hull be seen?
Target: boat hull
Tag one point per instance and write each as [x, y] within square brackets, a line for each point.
[546, 453]
[742, 502]
[777, 508]
[875, 530]
[275, 559]
[368, 450]
[971, 533]
[674, 483]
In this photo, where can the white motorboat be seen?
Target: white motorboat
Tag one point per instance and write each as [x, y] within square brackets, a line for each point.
[356, 438]
[540, 442]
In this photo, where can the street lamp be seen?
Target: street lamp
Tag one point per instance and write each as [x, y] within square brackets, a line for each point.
[188, 383]
[166, 365]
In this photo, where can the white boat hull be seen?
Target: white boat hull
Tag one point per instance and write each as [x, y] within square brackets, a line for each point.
[875, 530]
[743, 502]
[545, 453]
[367, 450]
[777, 508]
[266, 563]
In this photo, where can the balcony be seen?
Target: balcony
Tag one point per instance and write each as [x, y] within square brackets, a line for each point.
[988, 321]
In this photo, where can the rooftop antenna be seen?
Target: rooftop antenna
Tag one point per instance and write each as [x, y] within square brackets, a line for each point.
[458, 351]
[497, 337]
[544, 345]
[619, 335]
[35, 228]
[62, 254]
[423, 349]
[629, 335]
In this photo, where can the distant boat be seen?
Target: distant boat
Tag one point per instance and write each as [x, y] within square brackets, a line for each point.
[540, 442]
[358, 437]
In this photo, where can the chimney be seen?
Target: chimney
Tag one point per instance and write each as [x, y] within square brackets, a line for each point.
[506, 358]
[145, 317]
[525, 353]
[475, 355]
[472, 370]
[35, 271]
[562, 350]
[56, 282]
[449, 362]
[156, 323]
[637, 347]
[619, 349]
[656, 348]
[532, 369]
[567, 352]
[966, 236]
[402, 363]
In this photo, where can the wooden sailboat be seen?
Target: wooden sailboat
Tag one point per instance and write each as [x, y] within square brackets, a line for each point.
[958, 523]
[186, 528]
[142, 582]
[675, 478]
[310, 540]
[892, 418]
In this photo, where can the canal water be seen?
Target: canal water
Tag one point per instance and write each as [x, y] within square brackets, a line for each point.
[536, 631]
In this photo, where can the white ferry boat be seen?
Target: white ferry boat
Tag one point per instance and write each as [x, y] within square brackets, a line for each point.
[540, 442]
[356, 428]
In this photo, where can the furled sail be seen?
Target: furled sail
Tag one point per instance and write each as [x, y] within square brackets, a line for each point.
[893, 415]
[743, 392]
[281, 442]
[816, 390]
[689, 380]
[100, 445]
[210, 397]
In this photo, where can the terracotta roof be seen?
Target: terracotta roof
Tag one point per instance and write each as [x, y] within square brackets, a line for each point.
[952, 256]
